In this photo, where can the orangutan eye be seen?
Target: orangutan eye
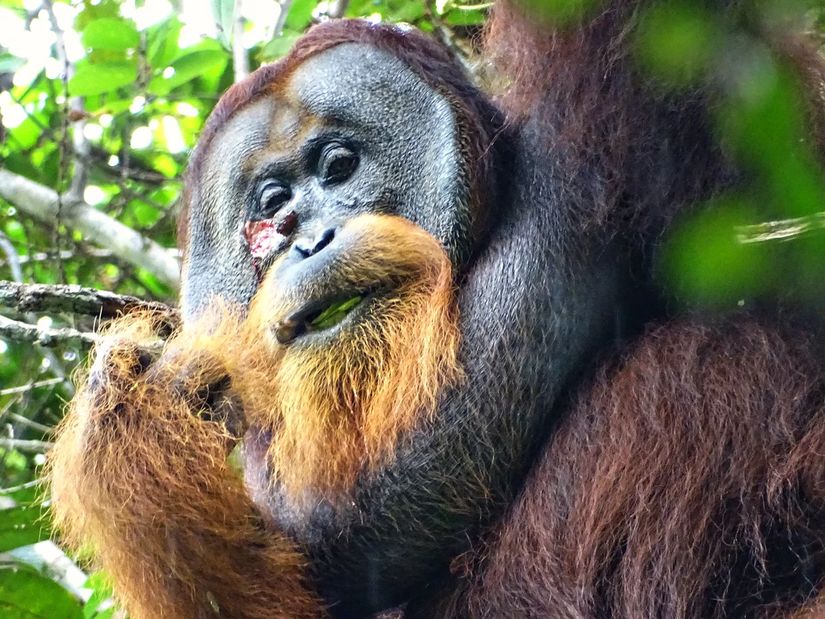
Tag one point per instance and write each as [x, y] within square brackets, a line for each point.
[336, 163]
[272, 196]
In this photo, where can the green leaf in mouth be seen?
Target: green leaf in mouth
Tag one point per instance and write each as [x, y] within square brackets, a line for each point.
[335, 313]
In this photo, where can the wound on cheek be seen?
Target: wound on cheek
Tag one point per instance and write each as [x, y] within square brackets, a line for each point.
[262, 237]
[266, 236]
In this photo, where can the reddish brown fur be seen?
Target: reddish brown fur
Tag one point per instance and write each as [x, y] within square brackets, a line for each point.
[687, 481]
[143, 484]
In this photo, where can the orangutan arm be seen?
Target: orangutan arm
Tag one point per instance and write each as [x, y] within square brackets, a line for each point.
[141, 479]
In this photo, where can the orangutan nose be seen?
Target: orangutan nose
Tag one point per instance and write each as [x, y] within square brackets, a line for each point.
[307, 248]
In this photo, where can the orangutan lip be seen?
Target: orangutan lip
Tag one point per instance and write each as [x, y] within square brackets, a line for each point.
[318, 315]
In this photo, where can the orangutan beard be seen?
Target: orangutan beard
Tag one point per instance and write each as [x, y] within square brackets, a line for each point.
[338, 410]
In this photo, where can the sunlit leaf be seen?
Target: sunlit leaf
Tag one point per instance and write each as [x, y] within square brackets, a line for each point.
[94, 79]
[101, 595]
[162, 42]
[186, 68]
[21, 526]
[300, 14]
[24, 594]
[112, 34]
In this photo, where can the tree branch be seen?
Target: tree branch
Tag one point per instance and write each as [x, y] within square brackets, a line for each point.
[337, 8]
[77, 300]
[41, 202]
[240, 60]
[24, 445]
[45, 336]
[283, 6]
[49, 382]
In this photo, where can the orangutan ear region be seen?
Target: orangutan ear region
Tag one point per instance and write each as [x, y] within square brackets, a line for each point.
[426, 364]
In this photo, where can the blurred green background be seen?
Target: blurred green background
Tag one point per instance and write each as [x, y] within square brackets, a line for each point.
[101, 101]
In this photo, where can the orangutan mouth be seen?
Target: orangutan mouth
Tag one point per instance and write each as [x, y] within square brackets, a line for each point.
[317, 315]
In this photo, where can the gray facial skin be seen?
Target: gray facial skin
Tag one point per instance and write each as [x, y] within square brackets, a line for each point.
[403, 135]
[534, 300]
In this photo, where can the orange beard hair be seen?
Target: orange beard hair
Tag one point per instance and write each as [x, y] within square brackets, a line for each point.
[337, 411]
[141, 481]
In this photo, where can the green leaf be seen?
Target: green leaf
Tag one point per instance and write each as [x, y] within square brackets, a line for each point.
[21, 526]
[706, 263]
[24, 495]
[112, 34]
[676, 42]
[98, 78]
[17, 233]
[300, 14]
[223, 13]
[186, 68]
[409, 12]
[25, 594]
[280, 45]
[103, 9]
[460, 17]
[335, 313]
[162, 42]
[144, 214]
[27, 133]
[152, 284]
[101, 592]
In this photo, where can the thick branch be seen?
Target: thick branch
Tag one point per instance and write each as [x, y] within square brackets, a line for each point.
[76, 300]
[41, 202]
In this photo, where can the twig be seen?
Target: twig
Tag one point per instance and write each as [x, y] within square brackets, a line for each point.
[25, 445]
[337, 8]
[780, 230]
[40, 427]
[45, 336]
[240, 60]
[25, 486]
[33, 385]
[17, 273]
[283, 6]
[80, 144]
[65, 254]
[12, 258]
[77, 300]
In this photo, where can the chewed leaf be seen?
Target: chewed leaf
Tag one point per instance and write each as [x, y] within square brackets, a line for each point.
[335, 313]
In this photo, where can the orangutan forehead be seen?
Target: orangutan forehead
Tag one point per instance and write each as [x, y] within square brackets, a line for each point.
[352, 85]
[360, 84]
